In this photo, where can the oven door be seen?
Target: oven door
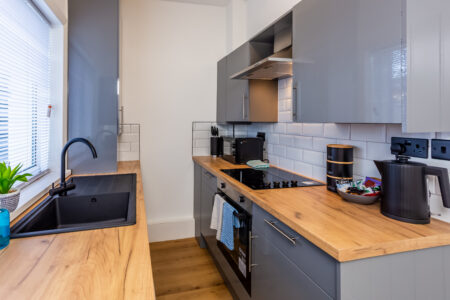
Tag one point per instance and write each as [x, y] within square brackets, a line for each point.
[239, 258]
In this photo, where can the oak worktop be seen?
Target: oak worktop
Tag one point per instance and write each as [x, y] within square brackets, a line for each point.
[111, 263]
[346, 231]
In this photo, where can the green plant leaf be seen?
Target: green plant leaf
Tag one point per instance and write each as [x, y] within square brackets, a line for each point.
[22, 177]
[15, 170]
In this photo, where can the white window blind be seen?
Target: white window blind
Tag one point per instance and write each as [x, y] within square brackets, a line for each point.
[25, 69]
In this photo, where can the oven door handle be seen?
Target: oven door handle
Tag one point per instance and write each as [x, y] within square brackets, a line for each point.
[251, 265]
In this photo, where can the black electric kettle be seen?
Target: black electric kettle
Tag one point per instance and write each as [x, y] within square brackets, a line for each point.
[404, 189]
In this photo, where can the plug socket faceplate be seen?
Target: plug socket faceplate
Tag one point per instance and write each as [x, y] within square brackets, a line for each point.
[440, 149]
[411, 147]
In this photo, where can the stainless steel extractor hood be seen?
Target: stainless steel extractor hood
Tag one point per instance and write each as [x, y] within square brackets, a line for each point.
[276, 66]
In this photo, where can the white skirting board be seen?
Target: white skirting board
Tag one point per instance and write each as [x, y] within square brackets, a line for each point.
[171, 229]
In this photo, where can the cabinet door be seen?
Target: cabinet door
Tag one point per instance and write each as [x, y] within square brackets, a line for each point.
[428, 44]
[209, 188]
[197, 202]
[93, 73]
[276, 277]
[237, 89]
[222, 90]
[348, 61]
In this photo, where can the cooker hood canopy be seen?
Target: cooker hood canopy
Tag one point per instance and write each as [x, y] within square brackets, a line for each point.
[276, 66]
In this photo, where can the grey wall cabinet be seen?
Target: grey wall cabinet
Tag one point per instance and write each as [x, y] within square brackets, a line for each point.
[348, 61]
[93, 73]
[222, 82]
[428, 44]
[246, 100]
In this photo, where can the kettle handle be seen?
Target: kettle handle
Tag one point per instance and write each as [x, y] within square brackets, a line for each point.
[444, 183]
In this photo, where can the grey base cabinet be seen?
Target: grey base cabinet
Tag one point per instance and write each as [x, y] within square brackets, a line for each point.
[287, 266]
[205, 187]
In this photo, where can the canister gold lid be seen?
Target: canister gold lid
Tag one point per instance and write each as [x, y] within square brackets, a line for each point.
[339, 146]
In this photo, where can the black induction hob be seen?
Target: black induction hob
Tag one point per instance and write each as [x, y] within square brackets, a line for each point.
[271, 178]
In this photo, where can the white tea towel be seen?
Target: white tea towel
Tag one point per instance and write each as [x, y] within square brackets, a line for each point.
[216, 216]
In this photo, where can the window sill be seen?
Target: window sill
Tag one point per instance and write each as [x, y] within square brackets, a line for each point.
[34, 191]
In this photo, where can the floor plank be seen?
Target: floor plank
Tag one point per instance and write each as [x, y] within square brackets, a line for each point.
[182, 270]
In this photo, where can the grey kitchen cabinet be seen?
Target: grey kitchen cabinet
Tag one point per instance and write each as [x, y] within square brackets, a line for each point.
[246, 100]
[276, 277]
[348, 61]
[209, 189]
[428, 58]
[222, 91]
[290, 267]
[93, 74]
[197, 203]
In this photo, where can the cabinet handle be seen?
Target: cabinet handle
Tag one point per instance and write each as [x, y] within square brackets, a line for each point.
[250, 255]
[289, 238]
[294, 102]
[243, 107]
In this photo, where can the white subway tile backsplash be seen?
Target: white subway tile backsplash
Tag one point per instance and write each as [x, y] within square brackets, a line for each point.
[286, 163]
[279, 150]
[286, 140]
[368, 132]
[129, 137]
[273, 159]
[443, 135]
[285, 116]
[365, 167]
[359, 148]
[313, 129]
[294, 153]
[313, 157]
[200, 151]
[202, 143]
[320, 144]
[303, 168]
[395, 130]
[337, 131]
[294, 128]
[304, 142]
[273, 138]
[279, 127]
[201, 134]
[379, 151]
[128, 143]
[319, 173]
[124, 146]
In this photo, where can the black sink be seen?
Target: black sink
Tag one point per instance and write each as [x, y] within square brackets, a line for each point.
[97, 202]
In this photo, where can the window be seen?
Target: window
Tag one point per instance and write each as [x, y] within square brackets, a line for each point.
[25, 75]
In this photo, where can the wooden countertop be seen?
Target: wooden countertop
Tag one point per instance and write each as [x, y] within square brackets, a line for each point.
[112, 263]
[344, 230]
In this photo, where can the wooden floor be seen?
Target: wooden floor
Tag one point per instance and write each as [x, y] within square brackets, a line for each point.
[182, 270]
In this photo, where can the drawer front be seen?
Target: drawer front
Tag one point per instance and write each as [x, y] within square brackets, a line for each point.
[209, 180]
[276, 277]
[318, 265]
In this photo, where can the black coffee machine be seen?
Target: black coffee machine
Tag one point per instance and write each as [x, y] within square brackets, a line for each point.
[404, 187]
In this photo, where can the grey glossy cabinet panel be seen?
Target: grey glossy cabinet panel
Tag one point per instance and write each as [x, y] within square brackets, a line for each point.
[93, 74]
[237, 90]
[222, 91]
[276, 277]
[428, 44]
[349, 59]
[197, 203]
[209, 188]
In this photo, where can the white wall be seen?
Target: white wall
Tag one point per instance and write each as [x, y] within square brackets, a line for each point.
[169, 52]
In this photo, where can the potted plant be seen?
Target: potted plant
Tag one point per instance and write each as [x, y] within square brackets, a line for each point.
[9, 197]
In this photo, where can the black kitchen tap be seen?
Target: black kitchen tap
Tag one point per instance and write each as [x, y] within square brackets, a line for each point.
[64, 186]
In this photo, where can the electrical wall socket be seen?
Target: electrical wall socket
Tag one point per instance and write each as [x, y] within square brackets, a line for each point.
[413, 147]
[440, 149]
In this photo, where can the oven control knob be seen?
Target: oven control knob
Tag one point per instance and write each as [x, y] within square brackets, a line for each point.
[223, 185]
[294, 183]
[276, 185]
[285, 184]
[241, 199]
[267, 185]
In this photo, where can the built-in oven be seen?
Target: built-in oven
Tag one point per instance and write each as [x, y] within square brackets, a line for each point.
[240, 257]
